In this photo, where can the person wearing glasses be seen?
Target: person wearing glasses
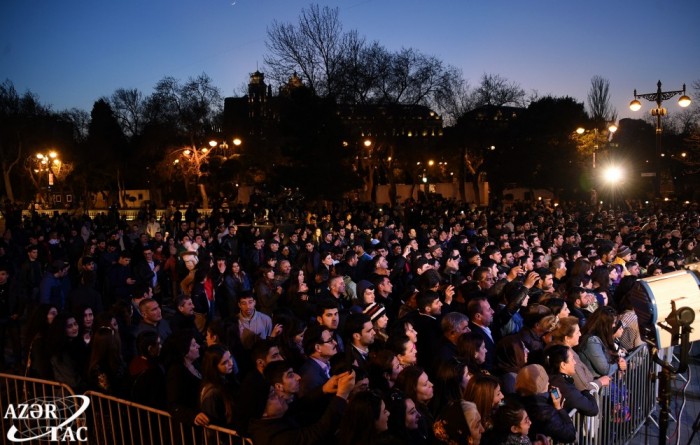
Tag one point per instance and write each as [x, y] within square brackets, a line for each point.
[319, 346]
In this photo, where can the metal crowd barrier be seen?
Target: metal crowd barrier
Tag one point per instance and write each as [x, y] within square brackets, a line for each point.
[117, 421]
[17, 390]
[109, 420]
[623, 406]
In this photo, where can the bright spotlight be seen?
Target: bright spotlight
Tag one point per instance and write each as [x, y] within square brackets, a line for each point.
[612, 174]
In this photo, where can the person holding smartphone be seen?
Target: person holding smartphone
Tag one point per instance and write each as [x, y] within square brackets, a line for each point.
[561, 366]
[544, 405]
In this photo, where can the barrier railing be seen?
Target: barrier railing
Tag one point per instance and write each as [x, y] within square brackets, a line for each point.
[623, 406]
[18, 393]
[108, 420]
[118, 421]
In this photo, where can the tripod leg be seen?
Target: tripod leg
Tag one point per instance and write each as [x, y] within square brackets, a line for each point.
[696, 428]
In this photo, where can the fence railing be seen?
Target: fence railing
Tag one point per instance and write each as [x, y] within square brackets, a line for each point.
[623, 406]
[109, 420]
[20, 393]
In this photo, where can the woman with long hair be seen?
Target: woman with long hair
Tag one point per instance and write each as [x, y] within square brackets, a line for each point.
[631, 337]
[561, 367]
[415, 384]
[485, 392]
[38, 364]
[291, 338]
[365, 421]
[568, 333]
[183, 378]
[451, 379]
[267, 292]
[405, 420]
[299, 294]
[382, 369]
[600, 277]
[511, 426]
[471, 349]
[325, 269]
[67, 351]
[597, 347]
[86, 319]
[241, 280]
[106, 368]
[511, 355]
[216, 395]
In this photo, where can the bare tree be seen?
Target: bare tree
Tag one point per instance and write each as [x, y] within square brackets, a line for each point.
[363, 66]
[128, 106]
[192, 110]
[455, 99]
[21, 122]
[599, 106]
[496, 90]
[414, 78]
[313, 49]
[80, 119]
[193, 107]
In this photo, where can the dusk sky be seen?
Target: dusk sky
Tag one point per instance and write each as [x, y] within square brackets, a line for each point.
[72, 52]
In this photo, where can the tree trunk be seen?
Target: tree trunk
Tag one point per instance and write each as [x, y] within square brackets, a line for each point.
[463, 177]
[203, 192]
[369, 184]
[475, 186]
[8, 182]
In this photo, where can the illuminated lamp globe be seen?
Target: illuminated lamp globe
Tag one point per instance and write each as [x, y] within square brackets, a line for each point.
[635, 105]
[684, 101]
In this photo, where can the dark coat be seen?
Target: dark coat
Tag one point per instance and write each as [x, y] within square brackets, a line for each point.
[313, 378]
[285, 431]
[582, 401]
[548, 421]
[490, 346]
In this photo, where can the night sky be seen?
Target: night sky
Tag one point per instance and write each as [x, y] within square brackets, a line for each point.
[72, 52]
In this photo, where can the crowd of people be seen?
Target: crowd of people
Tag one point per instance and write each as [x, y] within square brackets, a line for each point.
[423, 323]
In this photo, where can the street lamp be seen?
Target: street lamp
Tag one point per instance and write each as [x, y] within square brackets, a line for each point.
[191, 162]
[612, 128]
[48, 163]
[658, 97]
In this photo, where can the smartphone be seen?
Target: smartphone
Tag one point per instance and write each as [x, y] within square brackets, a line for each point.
[555, 392]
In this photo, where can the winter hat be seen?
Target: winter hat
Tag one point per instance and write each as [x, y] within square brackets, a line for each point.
[531, 380]
[362, 286]
[375, 311]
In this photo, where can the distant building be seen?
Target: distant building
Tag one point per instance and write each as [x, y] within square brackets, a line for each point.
[253, 114]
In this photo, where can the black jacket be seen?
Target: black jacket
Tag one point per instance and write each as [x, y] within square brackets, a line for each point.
[285, 431]
[548, 421]
[582, 401]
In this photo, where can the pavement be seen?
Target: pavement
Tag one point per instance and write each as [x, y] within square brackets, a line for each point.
[685, 408]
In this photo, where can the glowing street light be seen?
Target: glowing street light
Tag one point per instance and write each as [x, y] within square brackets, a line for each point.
[659, 96]
[613, 175]
[612, 128]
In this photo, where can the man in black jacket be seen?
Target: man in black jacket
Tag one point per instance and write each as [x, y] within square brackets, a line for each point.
[273, 426]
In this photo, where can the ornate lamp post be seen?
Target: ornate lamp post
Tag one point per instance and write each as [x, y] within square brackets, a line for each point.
[658, 97]
[612, 128]
[41, 164]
